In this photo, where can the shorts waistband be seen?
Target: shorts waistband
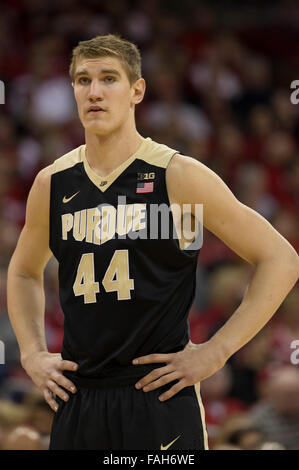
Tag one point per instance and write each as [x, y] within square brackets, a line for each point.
[122, 377]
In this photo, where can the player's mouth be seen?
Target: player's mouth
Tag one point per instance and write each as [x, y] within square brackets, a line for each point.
[95, 110]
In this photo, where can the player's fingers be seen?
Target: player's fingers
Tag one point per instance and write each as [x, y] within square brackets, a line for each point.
[173, 390]
[50, 399]
[153, 358]
[153, 375]
[67, 365]
[162, 381]
[53, 387]
[63, 381]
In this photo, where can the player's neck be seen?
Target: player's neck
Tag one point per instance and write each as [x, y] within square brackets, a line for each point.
[105, 153]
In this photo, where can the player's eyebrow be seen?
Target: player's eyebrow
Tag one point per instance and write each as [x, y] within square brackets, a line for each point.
[104, 71]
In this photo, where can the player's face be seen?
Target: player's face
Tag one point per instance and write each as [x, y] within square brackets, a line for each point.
[104, 95]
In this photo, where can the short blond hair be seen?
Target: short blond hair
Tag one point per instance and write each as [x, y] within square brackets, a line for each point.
[110, 45]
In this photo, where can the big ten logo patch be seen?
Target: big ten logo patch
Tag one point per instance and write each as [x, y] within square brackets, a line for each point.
[145, 176]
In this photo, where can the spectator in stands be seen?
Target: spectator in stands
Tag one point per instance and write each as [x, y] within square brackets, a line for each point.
[277, 412]
[22, 438]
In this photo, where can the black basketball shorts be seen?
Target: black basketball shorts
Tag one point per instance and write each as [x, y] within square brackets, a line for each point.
[111, 414]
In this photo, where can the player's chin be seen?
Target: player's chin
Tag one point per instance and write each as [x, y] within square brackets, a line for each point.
[97, 128]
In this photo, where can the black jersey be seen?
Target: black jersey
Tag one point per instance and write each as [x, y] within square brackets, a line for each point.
[125, 289]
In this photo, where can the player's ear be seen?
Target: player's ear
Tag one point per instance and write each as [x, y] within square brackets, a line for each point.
[138, 89]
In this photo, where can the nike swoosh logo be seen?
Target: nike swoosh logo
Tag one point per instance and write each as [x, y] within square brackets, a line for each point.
[67, 199]
[167, 447]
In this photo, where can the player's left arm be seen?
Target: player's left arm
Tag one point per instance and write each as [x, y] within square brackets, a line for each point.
[255, 240]
[249, 235]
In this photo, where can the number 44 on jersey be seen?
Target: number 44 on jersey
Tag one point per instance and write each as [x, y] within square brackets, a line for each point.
[116, 278]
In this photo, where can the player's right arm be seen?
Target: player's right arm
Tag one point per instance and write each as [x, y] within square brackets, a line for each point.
[26, 297]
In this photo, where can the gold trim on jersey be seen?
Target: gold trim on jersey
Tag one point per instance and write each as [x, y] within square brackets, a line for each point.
[202, 413]
[103, 182]
[149, 151]
[68, 160]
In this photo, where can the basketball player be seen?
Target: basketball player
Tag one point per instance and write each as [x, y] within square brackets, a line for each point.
[128, 376]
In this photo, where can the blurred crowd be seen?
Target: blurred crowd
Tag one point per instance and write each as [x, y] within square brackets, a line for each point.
[218, 89]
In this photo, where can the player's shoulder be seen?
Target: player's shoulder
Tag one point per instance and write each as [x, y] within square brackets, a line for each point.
[64, 162]
[68, 160]
[43, 177]
[188, 178]
[38, 201]
[183, 166]
[155, 153]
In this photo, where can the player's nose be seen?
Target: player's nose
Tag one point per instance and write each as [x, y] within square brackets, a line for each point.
[95, 91]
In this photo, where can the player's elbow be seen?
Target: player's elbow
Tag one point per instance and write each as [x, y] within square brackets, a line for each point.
[287, 258]
[19, 270]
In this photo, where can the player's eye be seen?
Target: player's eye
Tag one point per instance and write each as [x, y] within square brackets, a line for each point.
[109, 79]
[83, 80]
